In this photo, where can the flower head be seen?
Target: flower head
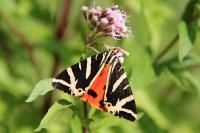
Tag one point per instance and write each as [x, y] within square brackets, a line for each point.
[110, 21]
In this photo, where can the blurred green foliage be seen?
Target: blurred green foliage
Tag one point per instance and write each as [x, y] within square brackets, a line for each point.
[163, 66]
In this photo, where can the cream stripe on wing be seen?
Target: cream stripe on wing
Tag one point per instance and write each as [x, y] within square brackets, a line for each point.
[96, 57]
[126, 87]
[71, 75]
[119, 104]
[61, 81]
[102, 60]
[111, 60]
[113, 66]
[79, 65]
[107, 56]
[117, 83]
[130, 112]
[88, 67]
[107, 84]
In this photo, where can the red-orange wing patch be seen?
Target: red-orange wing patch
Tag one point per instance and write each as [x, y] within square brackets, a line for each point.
[96, 92]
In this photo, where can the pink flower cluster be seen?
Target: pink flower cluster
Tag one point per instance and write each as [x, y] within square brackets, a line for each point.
[110, 21]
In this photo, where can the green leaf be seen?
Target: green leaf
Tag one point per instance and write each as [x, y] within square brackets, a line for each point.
[175, 78]
[182, 79]
[41, 88]
[91, 112]
[185, 44]
[53, 113]
[104, 123]
[76, 121]
[194, 81]
[191, 60]
[110, 121]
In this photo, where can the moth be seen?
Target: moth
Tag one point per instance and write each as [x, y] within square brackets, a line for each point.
[101, 81]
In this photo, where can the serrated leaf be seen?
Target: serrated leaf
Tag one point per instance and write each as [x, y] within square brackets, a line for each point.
[41, 88]
[185, 44]
[53, 113]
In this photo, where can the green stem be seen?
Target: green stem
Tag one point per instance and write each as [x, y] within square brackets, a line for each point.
[85, 114]
[166, 49]
[85, 128]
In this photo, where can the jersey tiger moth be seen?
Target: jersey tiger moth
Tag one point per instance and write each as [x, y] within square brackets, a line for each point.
[101, 81]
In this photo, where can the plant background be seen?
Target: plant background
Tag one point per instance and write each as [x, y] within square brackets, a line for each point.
[42, 37]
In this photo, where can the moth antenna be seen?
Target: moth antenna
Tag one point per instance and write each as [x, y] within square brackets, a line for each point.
[124, 51]
[94, 3]
[93, 49]
[109, 47]
[106, 46]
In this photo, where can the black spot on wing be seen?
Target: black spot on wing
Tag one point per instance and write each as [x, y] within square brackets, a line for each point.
[101, 104]
[104, 87]
[92, 93]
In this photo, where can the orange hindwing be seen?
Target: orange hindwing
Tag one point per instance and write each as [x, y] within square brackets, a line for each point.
[96, 92]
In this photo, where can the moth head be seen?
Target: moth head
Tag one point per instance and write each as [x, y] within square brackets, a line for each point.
[119, 53]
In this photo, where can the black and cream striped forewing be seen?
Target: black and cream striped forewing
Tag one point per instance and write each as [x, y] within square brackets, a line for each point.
[119, 95]
[76, 79]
